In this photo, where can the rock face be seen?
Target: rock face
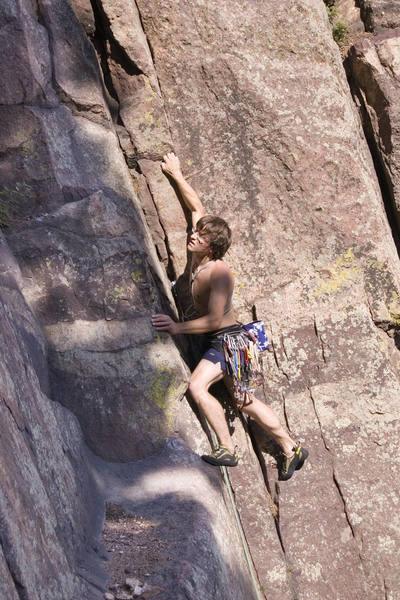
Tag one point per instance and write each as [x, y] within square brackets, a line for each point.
[374, 71]
[287, 164]
[48, 502]
[90, 272]
[255, 101]
[379, 15]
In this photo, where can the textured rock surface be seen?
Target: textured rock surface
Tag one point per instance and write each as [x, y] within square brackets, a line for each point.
[90, 272]
[287, 164]
[350, 14]
[92, 277]
[374, 71]
[49, 508]
[256, 103]
[184, 500]
[379, 15]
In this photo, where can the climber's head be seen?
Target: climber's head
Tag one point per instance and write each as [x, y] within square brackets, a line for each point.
[213, 231]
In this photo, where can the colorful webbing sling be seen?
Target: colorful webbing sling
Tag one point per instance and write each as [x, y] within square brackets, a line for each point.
[242, 364]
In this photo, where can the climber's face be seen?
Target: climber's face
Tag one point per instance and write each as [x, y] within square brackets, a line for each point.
[199, 242]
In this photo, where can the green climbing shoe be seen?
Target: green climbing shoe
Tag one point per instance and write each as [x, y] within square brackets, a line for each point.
[292, 464]
[221, 457]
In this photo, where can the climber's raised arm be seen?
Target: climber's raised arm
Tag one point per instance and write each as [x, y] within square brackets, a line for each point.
[172, 167]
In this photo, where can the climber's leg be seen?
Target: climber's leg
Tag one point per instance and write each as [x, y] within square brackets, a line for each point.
[205, 374]
[267, 418]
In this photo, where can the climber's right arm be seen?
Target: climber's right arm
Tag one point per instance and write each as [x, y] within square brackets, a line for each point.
[172, 167]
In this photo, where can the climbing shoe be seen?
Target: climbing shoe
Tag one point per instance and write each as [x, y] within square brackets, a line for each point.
[221, 457]
[292, 464]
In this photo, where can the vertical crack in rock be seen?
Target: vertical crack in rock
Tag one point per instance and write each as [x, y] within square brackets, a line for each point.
[152, 54]
[18, 425]
[275, 354]
[170, 269]
[318, 419]
[19, 588]
[273, 503]
[243, 532]
[321, 341]
[276, 359]
[346, 514]
[104, 280]
[387, 592]
[383, 176]
[207, 84]
[277, 522]
[102, 37]
[357, 538]
[285, 412]
[283, 346]
[381, 170]
[108, 47]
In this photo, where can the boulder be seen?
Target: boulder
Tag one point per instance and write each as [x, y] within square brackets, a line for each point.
[48, 501]
[379, 15]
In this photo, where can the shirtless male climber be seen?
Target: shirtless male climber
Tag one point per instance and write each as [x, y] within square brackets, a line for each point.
[212, 288]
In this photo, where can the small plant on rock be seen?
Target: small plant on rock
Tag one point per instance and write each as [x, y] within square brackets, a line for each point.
[339, 28]
[332, 13]
[339, 32]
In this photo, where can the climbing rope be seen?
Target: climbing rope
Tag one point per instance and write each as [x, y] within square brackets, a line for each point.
[243, 540]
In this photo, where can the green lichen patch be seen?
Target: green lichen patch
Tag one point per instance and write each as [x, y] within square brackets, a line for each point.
[138, 277]
[10, 200]
[163, 390]
[342, 272]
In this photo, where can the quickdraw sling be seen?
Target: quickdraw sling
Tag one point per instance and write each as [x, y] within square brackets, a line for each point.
[242, 364]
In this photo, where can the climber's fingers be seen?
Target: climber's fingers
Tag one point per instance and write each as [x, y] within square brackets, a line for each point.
[164, 323]
[171, 163]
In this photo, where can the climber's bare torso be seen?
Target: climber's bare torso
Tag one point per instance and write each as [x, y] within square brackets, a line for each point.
[210, 280]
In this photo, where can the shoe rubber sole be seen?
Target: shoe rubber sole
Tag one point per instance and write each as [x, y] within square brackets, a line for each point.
[304, 453]
[218, 463]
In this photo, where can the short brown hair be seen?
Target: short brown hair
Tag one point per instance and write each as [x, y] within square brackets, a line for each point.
[218, 233]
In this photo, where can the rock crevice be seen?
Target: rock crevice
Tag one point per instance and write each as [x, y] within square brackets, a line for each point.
[258, 99]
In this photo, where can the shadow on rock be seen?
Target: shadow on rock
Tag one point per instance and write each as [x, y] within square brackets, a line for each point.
[192, 535]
